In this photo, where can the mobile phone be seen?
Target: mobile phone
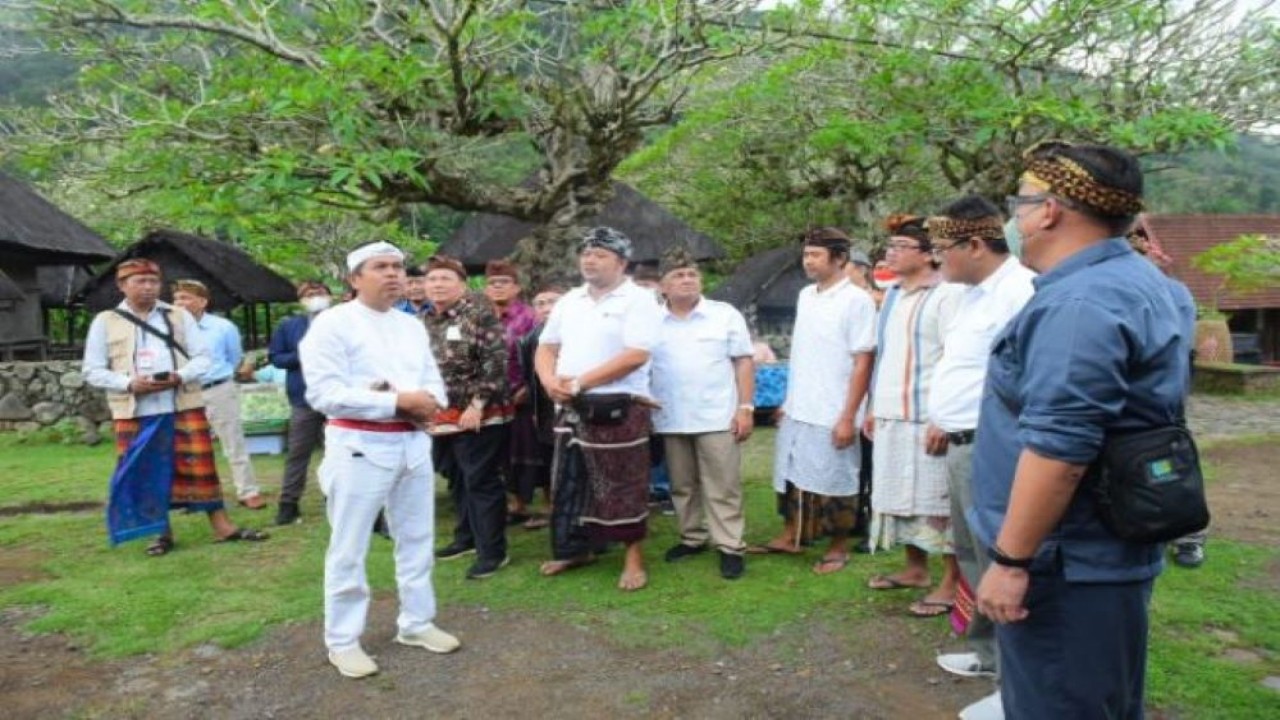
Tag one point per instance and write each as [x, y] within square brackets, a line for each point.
[161, 376]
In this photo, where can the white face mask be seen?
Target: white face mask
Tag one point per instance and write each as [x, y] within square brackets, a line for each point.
[315, 303]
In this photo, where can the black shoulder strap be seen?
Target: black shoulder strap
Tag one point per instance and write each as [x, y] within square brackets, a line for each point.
[168, 338]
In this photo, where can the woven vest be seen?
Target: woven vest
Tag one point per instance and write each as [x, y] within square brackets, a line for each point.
[122, 339]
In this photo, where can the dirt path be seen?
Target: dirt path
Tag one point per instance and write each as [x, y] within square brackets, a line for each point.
[1244, 499]
[509, 667]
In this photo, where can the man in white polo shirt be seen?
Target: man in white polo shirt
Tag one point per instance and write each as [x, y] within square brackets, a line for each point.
[704, 379]
[370, 370]
[815, 471]
[593, 360]
[968, 240]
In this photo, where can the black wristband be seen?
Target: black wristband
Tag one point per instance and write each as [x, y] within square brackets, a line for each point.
[998, 557]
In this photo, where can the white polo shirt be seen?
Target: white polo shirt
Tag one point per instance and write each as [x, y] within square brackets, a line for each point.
[693, 375]
[984, 310]
[591, 332]
[831, 327]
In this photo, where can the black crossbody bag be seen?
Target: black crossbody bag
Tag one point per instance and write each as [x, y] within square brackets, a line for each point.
[603, 408]
[169, 340]
[1148, 485]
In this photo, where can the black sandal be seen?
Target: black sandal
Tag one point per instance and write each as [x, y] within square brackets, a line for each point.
[161, 546]
[245, 534]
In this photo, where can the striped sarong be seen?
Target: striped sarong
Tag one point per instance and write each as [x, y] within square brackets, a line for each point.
[165, 461]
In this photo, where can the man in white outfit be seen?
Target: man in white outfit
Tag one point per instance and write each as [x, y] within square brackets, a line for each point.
[370, 370]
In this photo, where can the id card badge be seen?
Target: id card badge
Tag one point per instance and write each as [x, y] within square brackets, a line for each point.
[146, 359]
[453, 333]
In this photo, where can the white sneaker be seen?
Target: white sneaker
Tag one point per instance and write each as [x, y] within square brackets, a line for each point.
[988, 708]
[353, 662]
[965, 665]
[432, 638]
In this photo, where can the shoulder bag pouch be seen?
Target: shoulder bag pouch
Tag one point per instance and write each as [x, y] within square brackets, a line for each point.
[1148, 485]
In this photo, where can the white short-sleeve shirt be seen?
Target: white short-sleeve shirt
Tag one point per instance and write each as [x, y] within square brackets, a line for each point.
[831, 327]
[693, 373]
[590, 332]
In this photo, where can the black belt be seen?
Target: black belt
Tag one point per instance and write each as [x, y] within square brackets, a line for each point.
[215, 383]
[963, 437]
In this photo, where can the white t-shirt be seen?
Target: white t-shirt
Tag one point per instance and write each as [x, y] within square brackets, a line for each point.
[591, 332]
[831, 327]
[693, 373]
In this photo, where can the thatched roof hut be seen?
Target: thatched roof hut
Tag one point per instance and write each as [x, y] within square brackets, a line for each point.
[35, 230]
[650, 226]
[232, 276]
[9, 290]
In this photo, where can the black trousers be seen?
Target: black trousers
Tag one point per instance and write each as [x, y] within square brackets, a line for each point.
[1080, 654]
[306, 433]
[472, 462]
[569, 538]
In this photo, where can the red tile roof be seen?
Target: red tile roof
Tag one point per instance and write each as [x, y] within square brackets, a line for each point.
[1184, 236]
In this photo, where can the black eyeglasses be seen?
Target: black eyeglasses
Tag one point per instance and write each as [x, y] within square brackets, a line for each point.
[1013, 202]
[940, 249]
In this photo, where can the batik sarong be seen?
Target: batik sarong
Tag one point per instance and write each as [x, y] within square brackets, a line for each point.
[613, 461]
[165, 461]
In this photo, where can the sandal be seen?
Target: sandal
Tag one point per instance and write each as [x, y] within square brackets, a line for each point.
[555, 567]
[831, 564]
[245, 534]
[929, 608]
[162, 546]
[771, 549]
[536, 523]
[888, 582]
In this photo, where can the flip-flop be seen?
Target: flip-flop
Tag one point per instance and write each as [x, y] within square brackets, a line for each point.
[768, 549]
[555, 567]
[929, 608]
[162, 546]
[518, 518]
[888, 582]
[244, 534]
[536, 523]
[828, 564]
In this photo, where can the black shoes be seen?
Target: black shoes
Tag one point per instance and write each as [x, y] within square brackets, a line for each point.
[454, 550]
[287, 513]
[682, 551]
[731, 566]
[487, 568]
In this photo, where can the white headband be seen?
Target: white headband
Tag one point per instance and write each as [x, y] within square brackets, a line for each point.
[364, 252]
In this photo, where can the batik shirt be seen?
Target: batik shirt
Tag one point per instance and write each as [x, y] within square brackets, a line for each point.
[468, 342]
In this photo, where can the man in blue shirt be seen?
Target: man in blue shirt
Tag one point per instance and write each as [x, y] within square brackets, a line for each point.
[1099, 350]
[221, 395]
[306, 426]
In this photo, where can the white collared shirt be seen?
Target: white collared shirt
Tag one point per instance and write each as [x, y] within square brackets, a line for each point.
[352, 348]
[984, 310]
[97, 363]
[591, 332]
[693, 374]
[831, 327]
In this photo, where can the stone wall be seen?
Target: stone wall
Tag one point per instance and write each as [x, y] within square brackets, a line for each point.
[35, 395]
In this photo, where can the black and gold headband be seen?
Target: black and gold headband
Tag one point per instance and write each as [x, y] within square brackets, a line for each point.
[1052, 172]
[988, 228]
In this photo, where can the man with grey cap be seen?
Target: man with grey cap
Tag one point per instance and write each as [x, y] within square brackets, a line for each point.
[593, 360]
[370, 370]
[704, 380]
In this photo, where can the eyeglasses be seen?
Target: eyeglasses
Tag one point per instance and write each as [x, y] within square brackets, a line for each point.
[901, 246]
[500, 281]
[941, 249]
[1013, 202]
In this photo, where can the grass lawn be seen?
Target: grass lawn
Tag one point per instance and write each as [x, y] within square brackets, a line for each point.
[1216, 631]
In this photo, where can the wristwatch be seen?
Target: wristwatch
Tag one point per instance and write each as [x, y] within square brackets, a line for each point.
[998, 557]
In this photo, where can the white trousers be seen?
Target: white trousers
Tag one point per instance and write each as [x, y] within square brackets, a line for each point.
[222, 406]
[362, 473]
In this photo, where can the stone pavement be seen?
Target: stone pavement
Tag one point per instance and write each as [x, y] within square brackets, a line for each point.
[1218, 416]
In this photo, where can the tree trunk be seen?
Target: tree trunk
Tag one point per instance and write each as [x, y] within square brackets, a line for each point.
[550, 253]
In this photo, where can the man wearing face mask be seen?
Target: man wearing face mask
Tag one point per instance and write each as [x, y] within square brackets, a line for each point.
[306, 426]
[1099, 351]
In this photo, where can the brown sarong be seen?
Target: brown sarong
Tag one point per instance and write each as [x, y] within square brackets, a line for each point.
[195, 475]
[616, 462]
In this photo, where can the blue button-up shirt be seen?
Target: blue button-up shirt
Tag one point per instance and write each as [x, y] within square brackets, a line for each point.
[1101, 347]
[222, 337]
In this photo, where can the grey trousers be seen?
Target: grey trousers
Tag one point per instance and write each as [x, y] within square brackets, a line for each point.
[970, 553]
[306, 433]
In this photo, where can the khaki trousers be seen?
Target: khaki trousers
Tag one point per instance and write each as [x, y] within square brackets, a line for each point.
[222, 405]
[706, 488]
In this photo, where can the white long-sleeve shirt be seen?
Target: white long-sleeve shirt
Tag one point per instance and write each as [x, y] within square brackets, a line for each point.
[353, 348]
[97, 362]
